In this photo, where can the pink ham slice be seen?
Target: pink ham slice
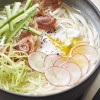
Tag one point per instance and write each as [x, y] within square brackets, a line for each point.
[53, 4]
[46, 22]
[28, 44]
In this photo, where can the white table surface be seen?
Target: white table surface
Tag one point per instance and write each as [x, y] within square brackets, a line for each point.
[97, 3]
[96, 84]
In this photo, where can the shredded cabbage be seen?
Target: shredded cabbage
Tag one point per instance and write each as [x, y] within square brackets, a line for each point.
[16, 75]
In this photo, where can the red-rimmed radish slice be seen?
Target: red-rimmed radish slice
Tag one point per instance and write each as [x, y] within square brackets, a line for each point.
[87, 50]
[60, 61]
[74, 71]
[57, 76]
[36, 60]
[81, 61]
[50, 59]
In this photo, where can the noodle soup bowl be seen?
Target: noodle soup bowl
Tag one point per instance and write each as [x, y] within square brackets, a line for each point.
[89, 10]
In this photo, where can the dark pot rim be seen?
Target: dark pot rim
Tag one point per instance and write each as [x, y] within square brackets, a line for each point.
[97, 12]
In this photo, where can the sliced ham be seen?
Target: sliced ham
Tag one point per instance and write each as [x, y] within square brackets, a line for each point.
[24, 34]
[53, 4]
[46, 22]
[28, 44]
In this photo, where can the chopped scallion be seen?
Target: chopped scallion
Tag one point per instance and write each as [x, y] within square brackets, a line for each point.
[16, 7]
[11, 18]
[33, 31]
[8, 12]
[20, 25]
[28, 4]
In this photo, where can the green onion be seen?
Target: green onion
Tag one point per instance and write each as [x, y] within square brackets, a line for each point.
[22, 16]
[8, 12]
[18, 14]
[31, 8]
[28, 4]
[20, 25]
[17, 19]
[16, 7]
[33, 31]
[4, 29]
[11, 18]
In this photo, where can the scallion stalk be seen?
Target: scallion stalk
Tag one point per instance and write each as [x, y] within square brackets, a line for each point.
[18, 14]
[4, 29]
[28, 4]
[11, 18]
[32, 30]
[20, 25]
[8, 12]
[16, 8]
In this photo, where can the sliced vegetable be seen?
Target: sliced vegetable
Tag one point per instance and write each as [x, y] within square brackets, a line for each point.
[8, 12]
[16, 8]
[28, 4]
[75, 72]
[20, 25]
[57, 76]
[50, 59]
[87, 50]
[4, 29]
[11, 18]
[18, 14]
[7, 58]
[33, 31]
[36, 60]
[60, 61]
[81, 61]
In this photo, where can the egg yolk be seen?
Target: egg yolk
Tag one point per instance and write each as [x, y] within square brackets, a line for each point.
[63, 46]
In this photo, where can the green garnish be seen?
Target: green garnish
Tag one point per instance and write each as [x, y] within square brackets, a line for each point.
[8, 12]
[16, 7]
[32, 30]
[11, 18]
[28, 4]
[20, 25]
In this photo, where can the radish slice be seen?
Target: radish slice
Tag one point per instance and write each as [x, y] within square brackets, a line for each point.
[81, 61]
[60, 61]
[87, 50]
[50, 59]
[74, 71]
[36, 60]
[57, 76]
